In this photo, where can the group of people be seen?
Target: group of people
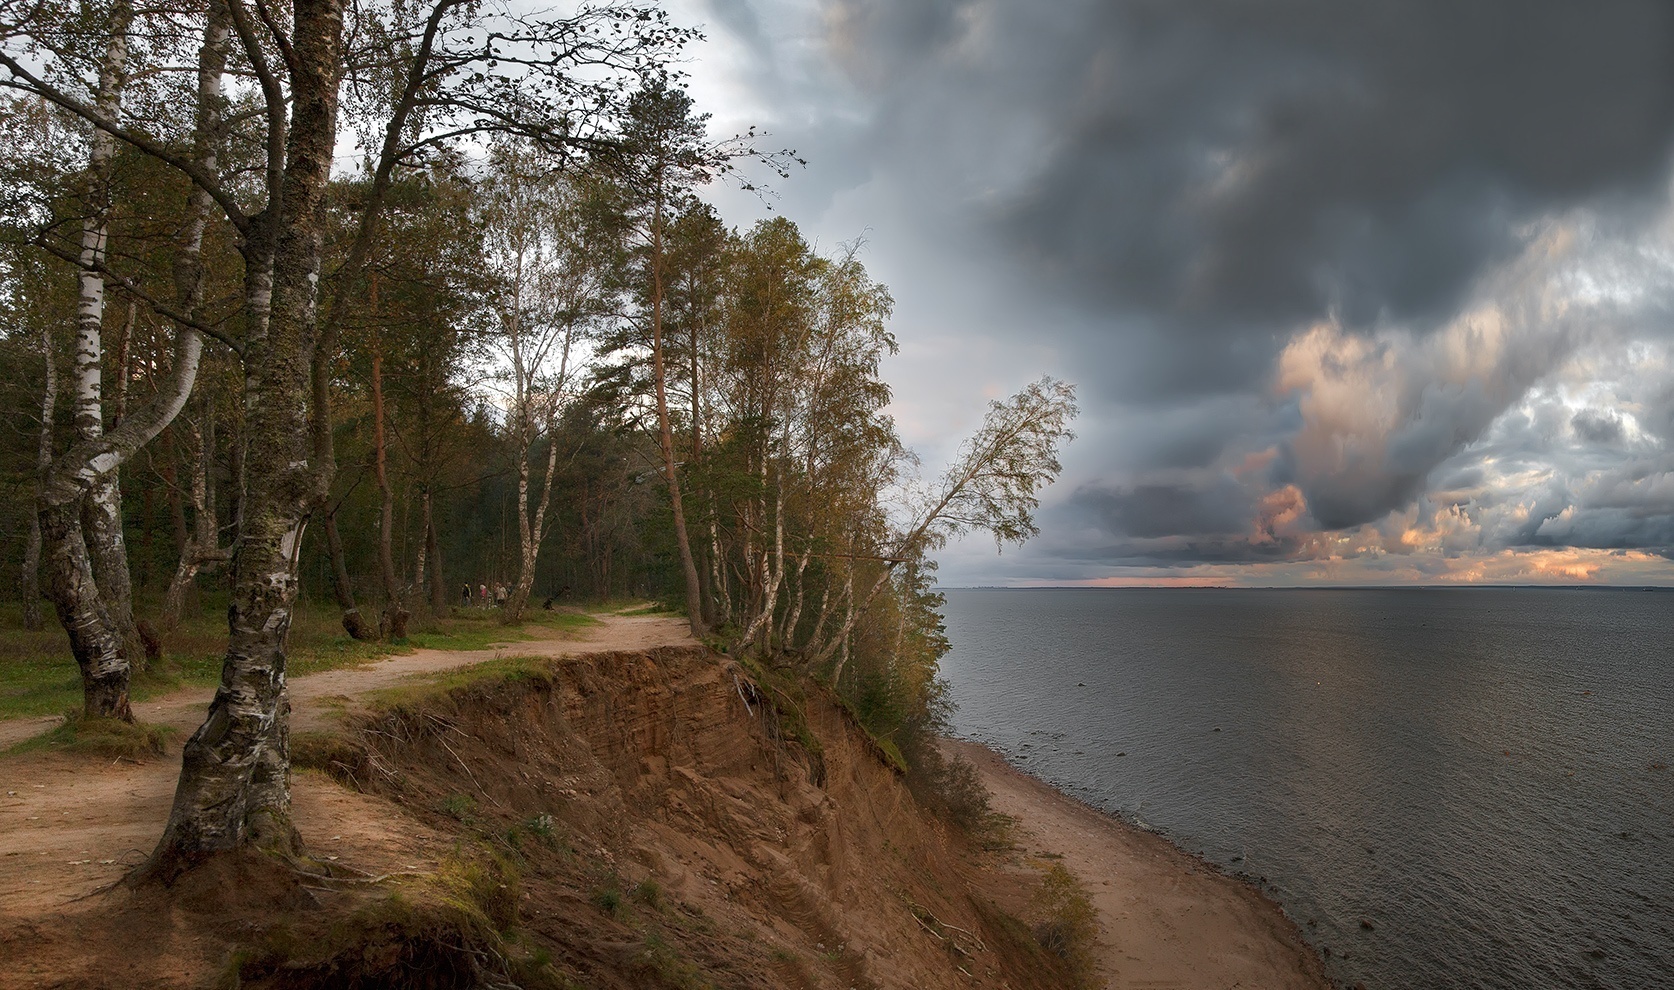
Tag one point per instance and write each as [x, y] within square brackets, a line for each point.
[501, 593]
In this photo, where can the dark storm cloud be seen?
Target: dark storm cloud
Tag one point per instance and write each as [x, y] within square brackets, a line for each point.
[1231, 163]
[1151, 511]
[1405, 186]
[1597, 426]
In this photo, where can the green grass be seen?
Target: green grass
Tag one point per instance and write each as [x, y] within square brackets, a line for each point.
[478, 629]
[39, 677]
[99, 737]
[417, 690]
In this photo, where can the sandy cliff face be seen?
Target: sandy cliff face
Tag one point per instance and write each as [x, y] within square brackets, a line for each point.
[633, 819]
[669, 827]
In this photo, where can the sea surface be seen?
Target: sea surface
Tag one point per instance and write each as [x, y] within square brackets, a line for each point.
[1444, 788]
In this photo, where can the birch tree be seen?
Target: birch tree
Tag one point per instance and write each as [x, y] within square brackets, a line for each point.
[992, 486]
[101, 508]
[78, 507]
[551, 290]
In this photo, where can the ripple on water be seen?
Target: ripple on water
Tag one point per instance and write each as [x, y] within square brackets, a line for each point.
[1471, 771]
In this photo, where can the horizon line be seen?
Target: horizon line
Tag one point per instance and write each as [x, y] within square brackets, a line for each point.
[1576, 586]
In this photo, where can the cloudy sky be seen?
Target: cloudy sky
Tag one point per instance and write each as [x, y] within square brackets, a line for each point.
[1355, 293]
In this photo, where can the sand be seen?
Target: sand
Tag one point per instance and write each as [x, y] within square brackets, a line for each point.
[1168, 919]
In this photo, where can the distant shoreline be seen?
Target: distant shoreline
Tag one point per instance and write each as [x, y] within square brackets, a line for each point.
[1168, 917]
[1309, 587]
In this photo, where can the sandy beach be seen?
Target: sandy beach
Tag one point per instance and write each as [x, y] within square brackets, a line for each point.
[1169, 919]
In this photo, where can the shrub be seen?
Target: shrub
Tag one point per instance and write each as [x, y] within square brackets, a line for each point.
[1069, 924]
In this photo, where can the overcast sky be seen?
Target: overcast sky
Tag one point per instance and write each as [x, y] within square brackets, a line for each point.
[1371, 292]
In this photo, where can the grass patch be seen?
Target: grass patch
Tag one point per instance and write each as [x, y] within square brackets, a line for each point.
[608, 898]
[38, 676]
[656, 958]
[421, 689]
[105, 737]
[478, 629]
[459, 806]
[650, 894]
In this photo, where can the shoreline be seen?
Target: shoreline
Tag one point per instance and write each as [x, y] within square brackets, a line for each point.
[1167, 918]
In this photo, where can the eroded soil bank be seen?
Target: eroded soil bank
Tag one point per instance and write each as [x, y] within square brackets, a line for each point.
[636, 818]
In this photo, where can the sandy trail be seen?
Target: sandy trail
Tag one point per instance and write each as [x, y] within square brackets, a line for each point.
[1168, 919]
[69, 824]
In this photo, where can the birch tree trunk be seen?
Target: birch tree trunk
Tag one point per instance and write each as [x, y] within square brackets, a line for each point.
[234, 789]
[824, 617]
[101, 512]
[788, 634]
[717, 576]
[78, 506]
[772, 578]
[94, 640]
[423, 554]
[706, 589]
[202, 546]
[531, 527]
[842, 640]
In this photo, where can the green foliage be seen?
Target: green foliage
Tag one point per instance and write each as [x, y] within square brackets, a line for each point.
[460, 806]
[608, 898]
[951, 788]
[1068, 925]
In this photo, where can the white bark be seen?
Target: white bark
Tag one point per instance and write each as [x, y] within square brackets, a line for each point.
[102, 510]
[774, 574]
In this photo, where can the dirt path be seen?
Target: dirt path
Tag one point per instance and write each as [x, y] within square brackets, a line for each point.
[69, 824]
[1169, 920]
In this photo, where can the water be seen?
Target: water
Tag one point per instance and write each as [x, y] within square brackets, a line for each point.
[1476, 773]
